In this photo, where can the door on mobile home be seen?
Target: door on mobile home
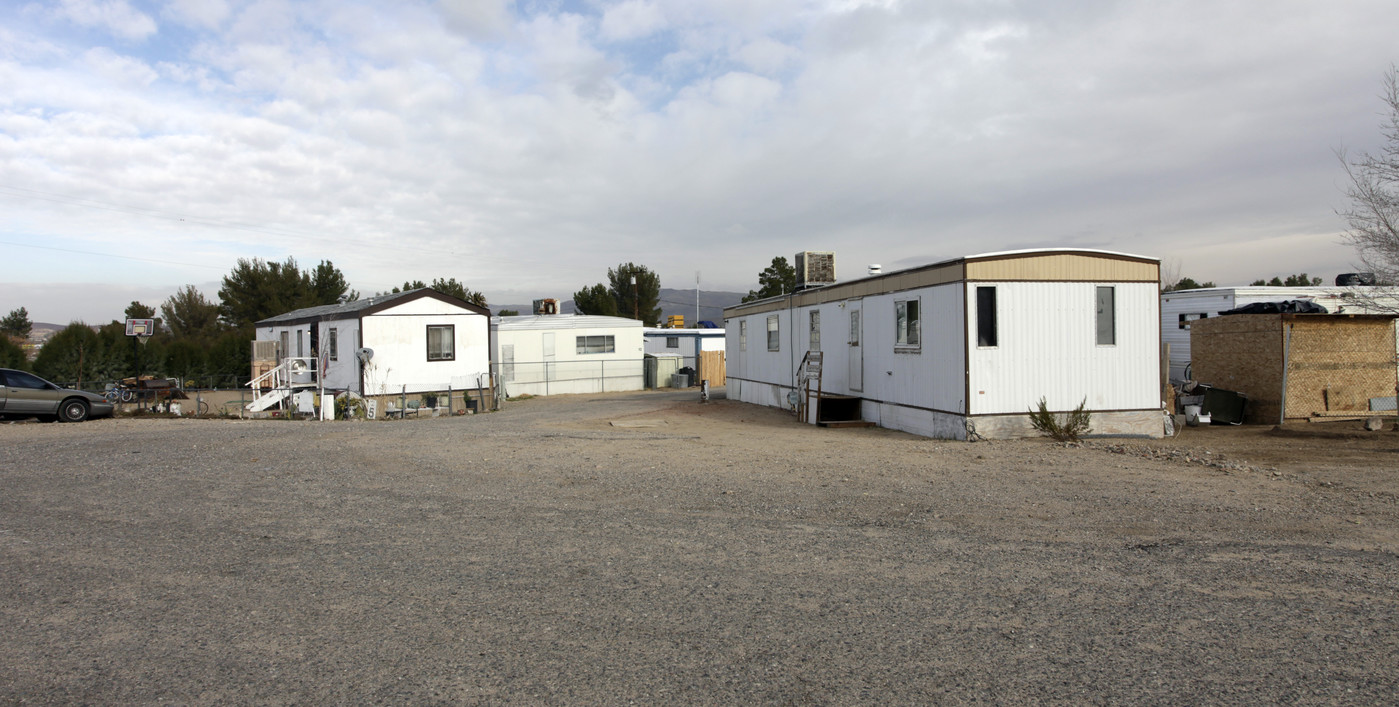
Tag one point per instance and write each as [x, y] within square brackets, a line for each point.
[857, 355]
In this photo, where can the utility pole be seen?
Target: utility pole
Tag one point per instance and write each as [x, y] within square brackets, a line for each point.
[696, 324]
[635, 299]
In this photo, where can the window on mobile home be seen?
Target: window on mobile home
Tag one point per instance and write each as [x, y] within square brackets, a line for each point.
[597, 344]
[774, 338]
[1185, 319]
[441, 341]
[986, 317]
[334, 344]
[1107, 316]
[907, 325]
[672, 342]
[743, 335]
[815, 330]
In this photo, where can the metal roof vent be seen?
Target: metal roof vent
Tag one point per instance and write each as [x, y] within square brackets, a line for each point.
[876, 269]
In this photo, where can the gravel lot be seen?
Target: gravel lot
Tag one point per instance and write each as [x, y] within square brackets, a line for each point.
[646, 548]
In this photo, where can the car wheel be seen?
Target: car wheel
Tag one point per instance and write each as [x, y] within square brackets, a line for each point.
[73, 411]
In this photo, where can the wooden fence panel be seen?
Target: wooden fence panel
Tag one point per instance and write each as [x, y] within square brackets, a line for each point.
[712, 367]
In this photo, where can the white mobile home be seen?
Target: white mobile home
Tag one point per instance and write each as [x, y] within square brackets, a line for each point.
[686, 343]
[556, 354]
[1180, 308]
[967, 347]
[421, 341]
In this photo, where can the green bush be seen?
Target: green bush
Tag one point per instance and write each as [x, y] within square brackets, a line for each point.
[1063, 428]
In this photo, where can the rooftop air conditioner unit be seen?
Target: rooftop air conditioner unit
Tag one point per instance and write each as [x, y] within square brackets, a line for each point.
[815, 268]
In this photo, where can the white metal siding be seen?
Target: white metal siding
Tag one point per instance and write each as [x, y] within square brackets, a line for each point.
[570, 372]
[1047, 348]
[1174, 304]
[399, 341]
[933, 376]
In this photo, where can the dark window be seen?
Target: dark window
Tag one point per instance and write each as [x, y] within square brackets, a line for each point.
[334, 345]
[774, 336]
[986, 316]
[20, 379]
[1107, 317]
[441, 342]
[672, 342]
[597, 344]
[1185, 319]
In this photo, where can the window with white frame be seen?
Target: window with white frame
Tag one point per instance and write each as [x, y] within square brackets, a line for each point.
[774, 336]
[333, 344]
[1107, 316]
[815, 330]
[908, 325]
[441, 342]
[596, 344]
[743, 335]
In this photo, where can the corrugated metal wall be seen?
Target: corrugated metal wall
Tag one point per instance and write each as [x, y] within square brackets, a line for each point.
[1047, 348]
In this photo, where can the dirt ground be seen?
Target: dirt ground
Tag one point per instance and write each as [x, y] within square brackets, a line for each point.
[644, 547]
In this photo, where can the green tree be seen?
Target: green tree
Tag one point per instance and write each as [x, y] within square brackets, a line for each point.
[1373, 216]
[595, 300]
[190, 316]
[779, 278]
[16, 324]
[136, 310]
[12, 354]
[509, 313]
[81, 354]
[637, 291]
[328, 285]
[256, 290]
[448, 286]
[229, 358]
[408, 286]
[1298, 280]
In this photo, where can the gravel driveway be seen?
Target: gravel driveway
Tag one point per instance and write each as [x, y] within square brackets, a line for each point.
[646, 548]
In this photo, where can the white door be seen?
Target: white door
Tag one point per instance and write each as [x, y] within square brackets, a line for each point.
[857, 351]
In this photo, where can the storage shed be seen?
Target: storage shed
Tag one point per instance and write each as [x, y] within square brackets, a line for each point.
[965, 347]
[1298, 366]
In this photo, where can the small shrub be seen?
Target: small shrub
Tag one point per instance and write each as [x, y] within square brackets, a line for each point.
[1066, 428]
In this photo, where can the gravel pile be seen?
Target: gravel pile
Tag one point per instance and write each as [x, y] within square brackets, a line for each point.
[717, 553]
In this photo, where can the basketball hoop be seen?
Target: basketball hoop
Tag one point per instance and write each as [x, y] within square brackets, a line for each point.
[142, 329]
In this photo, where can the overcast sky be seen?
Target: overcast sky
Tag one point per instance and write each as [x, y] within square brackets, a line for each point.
[524, 147]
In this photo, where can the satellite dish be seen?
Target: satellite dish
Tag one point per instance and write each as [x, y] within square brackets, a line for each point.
[364, 354]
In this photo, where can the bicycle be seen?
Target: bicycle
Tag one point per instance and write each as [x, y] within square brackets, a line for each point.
[117, 394]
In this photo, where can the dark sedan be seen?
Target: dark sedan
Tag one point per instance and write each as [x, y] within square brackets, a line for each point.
[27, 395]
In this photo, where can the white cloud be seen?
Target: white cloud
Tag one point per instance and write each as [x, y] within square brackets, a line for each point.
[522, 148]
[207, 14]
[767, 56]
[114, 16]
[117, 69]
[477, 19]
[632, 19]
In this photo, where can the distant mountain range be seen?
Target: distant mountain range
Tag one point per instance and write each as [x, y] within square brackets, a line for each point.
[711, 305]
